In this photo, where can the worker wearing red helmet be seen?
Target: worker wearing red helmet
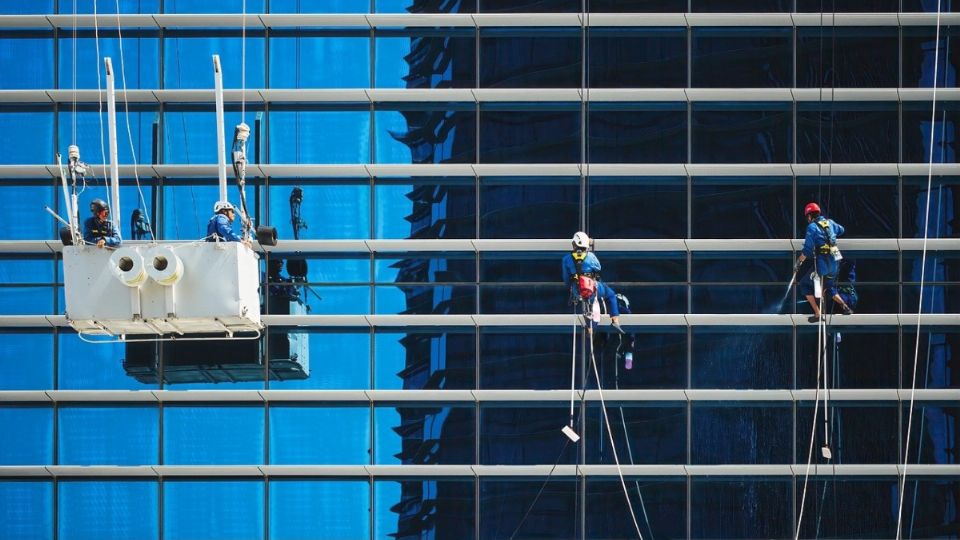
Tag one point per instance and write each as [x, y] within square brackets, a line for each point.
[820, 244]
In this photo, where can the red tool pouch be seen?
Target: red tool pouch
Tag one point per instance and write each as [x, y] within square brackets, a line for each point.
[587, 286]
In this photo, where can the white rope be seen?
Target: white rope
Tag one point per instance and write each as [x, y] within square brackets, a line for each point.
[103, 150]
[923, 272]
[74, 74]
[813, 425]
[616, 458]
[573, 365]
[243, 64]
[126, 110]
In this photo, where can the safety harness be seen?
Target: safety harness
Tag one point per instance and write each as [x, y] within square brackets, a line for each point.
[830, 247]
[585, 281]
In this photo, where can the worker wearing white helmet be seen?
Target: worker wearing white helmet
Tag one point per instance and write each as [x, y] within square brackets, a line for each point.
[581, 269]
[220, 226]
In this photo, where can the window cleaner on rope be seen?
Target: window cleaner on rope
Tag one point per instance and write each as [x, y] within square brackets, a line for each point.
[820, 244]
[581, 269]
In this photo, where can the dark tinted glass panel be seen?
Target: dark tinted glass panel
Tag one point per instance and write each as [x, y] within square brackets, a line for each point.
[763, 508]
[635, 133]
[423, 134]
[38, 72]
[867, 207]
[301, 435]
[919, 50]
[212, 435]
[845, 359]
[226, 509]
[740, 5]
[633, 6]
[26, 509]
[528, 207]
[737, 57]
[519, 435]
[28, 432]
[520, 299]
[437, 359]
[429, 58]
[936, 299]
[718, 267]
[741, 133]
[28, 361]
[528, 6]
[934, 358]
[657, 358]
[859, 433]
[530, 58]
[749, 358]
[425, 267]
[637, 57]
[856, 6]
[928, 6]
[736, 298]
[944, 196]
[934, 428]
[425, 208]
[108, 509]
[503, 504]
[424, 435]
[298, 508]
[917, 131]
[833, 513]
[624, 207]
[855, 57]
[655, 298]
[424, 508]
[742, 207]
[528, 134]
[847, 132]
[660, 506]
[425, 300]
[118, 435]
[750, 433]
[507, 266]
[529, 359]
[661, 426]
[294, 58]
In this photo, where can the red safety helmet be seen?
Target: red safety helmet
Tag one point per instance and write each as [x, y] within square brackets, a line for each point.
[811, 208]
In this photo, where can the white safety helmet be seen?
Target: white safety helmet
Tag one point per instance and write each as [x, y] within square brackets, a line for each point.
[222, 205]
[581, 240]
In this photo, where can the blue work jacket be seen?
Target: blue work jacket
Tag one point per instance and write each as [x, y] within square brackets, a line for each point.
[818, 236]
[220, 228]
[590, 265]
[94, 230]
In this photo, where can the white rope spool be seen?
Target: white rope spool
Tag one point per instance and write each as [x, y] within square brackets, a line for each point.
[163, 265]
[127, 266]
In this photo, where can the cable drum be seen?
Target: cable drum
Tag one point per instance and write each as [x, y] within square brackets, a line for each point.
[127, 266]
[164, 266]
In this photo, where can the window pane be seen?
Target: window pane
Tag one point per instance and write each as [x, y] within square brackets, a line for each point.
[105, 510]
[226, 510]
[519, 434]
[428, 58]
[527, 358]
[26, 134]
[520, 299]
[338, 360]
[638, 6]
[661, 426]
[331, 209]
[741, 133]
[27, 361]
[210, 435]
[424, 509]
[126, 6]
[740, 5]
[141, 54]
[17, 45]
[188, 56]
[747, 358]
[877, 343]
[329, 6]
[301, 435]
[438, 359]
[873, 515]
[859, 432]
[530, 57]
[295, 56]
[743, 267]
[866, 206]
[26, 300]
[26, 509]
[503, 504]
[937, 347]
[510, 134]
[438, 434]
[340, 508]
[24, 223]
[122, 435]
[426, 134]
[190, 132]
[852, 57]
[731, 433]
[28, 432]
[320, 136]
[919, 48]
[528, 207]
[660, 506]
[188, 207]
[637, 133]
[944, 191]
[916, 132]
[636, 57]
[847, 132]
[659, 358]
[752, 207]
[93, 366]
[426, 208]
[415, 6]
[86, 131]
[740, 58]
[529, 6]
[859, 6]
[764, 508]
[28, 8]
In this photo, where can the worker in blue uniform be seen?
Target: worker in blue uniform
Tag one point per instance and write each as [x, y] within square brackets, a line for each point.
[581, 269]
[820, 245]
[98, 230]
[220, 226]
[846, 280]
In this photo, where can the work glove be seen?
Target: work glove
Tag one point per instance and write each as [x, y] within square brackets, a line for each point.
[796, 267]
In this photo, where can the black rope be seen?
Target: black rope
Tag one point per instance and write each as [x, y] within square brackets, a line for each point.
[542, 487]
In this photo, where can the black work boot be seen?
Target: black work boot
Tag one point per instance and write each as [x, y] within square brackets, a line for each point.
[813, 319]
[616, 326]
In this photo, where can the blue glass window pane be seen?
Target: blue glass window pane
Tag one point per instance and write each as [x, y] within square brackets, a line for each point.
[202, 6]
[529, 6]
[637, 57]
[24, 223]
[878, 343]
[326, 267]
[937, 347]
[26, 300]
[328, 6]
[916, 129]
[742, 298]
[927, 6]
[859, 6]
[415, 6]
[339, 360]
[520, 299]
[319, 137]
[440, 359]
[851, 57]
[188, 207]
[847, 132]
[919, 49]
[15, 47]
[126, 6]
[764, 509]
[528, 207]
[533, 358]
[342, 300]
[141, 59]
[624, 207]
[421, 134]
[520, 267]
[746, 358]
[741, 58]
[188, 55]
[227, 510]
[190, 133]
[503, 504]
[752, 433]
[26, 510]
[874, 514]
[28, 8]
[341, 509]
[430, 58]
[425, 267]
[426, 208]
[27, 361]
[661, 426]
[212, 435]
[26, 134]
[93, 366]
[636, 6]
[425, 300]
[332, 209]
[88, 136]
[28, 432]
[751, 6]
[742, 207]
[859, 432]
[413, 435]
[529, 136]
[530, 58]
[26, 269]
[424, 508]
[660, 506]
[301, 435]
[932, 432]
[108, 435]
[866, 206]
[756, 266]
[943, 201]
[105, 510]
[518, 434]
[310, 59]
[741, 133]
[659, 358]
[637, 133]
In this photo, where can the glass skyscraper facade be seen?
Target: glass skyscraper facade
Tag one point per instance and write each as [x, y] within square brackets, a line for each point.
[446, 151]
